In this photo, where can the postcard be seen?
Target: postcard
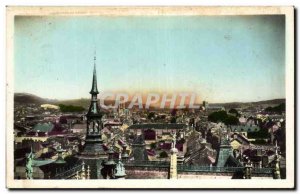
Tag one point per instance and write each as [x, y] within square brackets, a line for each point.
[150, 97]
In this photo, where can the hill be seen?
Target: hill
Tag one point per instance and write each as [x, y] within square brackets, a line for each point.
[264, 103]
[26, 98]
[83, 102]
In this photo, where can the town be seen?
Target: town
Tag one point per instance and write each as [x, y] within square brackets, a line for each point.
[174, 101]
[83, 140]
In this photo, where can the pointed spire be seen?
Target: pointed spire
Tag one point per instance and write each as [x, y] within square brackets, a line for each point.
[94, 89]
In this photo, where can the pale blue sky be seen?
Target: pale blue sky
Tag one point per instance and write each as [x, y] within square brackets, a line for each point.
[220, 58]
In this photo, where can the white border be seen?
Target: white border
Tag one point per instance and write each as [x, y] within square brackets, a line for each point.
[181, 183]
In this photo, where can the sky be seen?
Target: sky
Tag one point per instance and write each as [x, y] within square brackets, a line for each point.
[220, 58]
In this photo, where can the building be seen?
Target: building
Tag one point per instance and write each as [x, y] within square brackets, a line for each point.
[93, 153]
[238, 140]
[155, 131]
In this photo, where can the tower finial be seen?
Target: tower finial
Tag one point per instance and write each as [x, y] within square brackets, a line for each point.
[95, 53]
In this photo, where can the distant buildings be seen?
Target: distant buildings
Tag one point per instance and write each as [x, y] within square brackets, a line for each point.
[211, 107]
[244, 129]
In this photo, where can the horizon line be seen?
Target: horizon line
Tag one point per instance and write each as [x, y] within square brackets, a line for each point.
[87, 98]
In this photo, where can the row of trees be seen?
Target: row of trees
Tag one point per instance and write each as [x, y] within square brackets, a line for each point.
[222, 116]
[276, 109]
[70, 108]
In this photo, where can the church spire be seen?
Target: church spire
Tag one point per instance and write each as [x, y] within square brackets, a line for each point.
[94, 89]
[94, 107]
[93, 152]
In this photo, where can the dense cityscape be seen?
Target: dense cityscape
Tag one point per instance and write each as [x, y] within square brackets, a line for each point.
[76, 140]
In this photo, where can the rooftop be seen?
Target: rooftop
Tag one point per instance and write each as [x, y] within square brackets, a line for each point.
[157, 126]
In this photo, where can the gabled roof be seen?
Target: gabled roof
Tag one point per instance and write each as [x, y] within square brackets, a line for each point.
[240, 138]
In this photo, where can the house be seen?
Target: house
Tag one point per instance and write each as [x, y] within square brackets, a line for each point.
[237, 140]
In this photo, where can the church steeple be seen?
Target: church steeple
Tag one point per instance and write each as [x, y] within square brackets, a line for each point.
[94, 90]
[93, 153]
[94, 108]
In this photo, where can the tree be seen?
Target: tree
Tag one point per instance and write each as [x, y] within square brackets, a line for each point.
[70, 108]
[277, 109]
[262, 133]
[222, 116]
[231, 120]
[234, 111]
[218, 116]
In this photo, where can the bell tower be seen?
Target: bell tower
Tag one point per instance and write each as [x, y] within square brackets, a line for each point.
[93, 153]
